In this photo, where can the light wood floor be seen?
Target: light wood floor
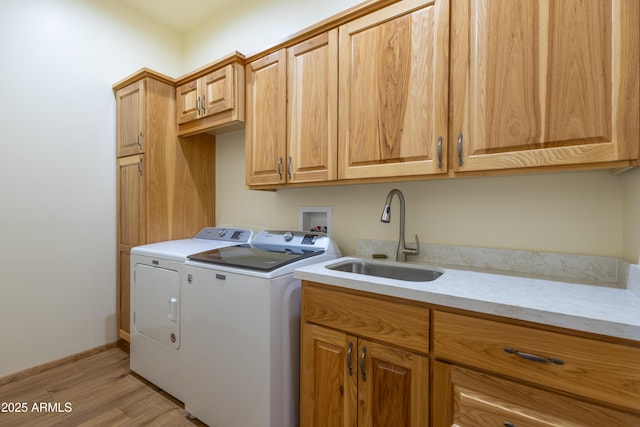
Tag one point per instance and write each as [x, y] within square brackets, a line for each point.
[97, 390]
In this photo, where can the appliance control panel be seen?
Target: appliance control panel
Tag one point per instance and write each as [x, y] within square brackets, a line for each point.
[309, 239]
[292, 239]
[239, 235]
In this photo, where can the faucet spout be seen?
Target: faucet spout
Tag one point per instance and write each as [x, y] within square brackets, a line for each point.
[403, 250]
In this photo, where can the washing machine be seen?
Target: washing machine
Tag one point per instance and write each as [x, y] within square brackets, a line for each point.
[157, 271]
[242, 320]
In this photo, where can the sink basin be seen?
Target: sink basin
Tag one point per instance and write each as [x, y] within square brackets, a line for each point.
[411, 274]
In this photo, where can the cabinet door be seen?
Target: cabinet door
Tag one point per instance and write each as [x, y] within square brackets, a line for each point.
[393, 387]
[266, 125]
[130, 113]
[467, 398]
[123, 291]
[217, 90]
[393, 97]
[187, 102]
[328, 378]
[131, 229]
[544, 83]
[312, 126]
[131, 201]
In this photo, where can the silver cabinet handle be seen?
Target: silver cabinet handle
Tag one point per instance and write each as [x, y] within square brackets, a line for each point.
[350, 369]
[280, 168]
[140, 166]
[460, 149]
[289, 167]
[534, 357]
[440, 152]
[362, 357]
[198, 106]
[140, 141]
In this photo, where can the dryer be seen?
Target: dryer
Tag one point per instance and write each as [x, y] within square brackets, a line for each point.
[157, 272]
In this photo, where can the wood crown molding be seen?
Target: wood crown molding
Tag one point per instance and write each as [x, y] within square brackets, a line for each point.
[141, 74]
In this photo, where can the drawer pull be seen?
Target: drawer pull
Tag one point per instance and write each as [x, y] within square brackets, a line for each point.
[362, 357]
[349, 359]
[280, 168]
[533, 357]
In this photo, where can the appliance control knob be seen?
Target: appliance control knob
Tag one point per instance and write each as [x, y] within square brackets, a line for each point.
[222, 232]
[288, 236]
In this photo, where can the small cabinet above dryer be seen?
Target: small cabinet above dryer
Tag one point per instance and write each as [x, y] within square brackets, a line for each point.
[211, 99]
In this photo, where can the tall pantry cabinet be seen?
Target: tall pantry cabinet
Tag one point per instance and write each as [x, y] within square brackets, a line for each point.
[165, 184]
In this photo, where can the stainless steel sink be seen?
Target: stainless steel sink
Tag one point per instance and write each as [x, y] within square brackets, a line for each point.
[411, 274]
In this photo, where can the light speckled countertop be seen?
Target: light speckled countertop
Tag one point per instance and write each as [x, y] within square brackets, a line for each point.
[598, 309]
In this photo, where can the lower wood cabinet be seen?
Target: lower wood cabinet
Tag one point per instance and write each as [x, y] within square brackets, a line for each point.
[348, 379]
[522, 375]
[604, 371]
[467, 398]
[374, 360]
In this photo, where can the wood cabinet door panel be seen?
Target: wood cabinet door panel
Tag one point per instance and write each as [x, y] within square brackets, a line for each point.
[544, 83]
[393, 91]
[187, 102]
[130, 114]
[328, 389]
[217, 91]
[312, 104]
[131, 201]
[124, 292]
[393, 386]
[265, 131]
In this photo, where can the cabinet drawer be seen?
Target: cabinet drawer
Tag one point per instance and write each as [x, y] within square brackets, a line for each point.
[392, 322]
[479, 399]
[600, 370]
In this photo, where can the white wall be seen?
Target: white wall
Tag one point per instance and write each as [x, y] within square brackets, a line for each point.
[253, 25]
[631, 218]
[592, 213]
[57, 169]
[578, 212]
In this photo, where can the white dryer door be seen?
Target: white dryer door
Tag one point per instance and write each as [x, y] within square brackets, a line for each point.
[156, 302]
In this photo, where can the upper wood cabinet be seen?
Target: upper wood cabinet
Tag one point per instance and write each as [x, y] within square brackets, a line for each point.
[130, 116]
[211, 99]
[312, 109]
[431, 88]
[393, 91]
[544, 83]
[266, 127]
[292, 115]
